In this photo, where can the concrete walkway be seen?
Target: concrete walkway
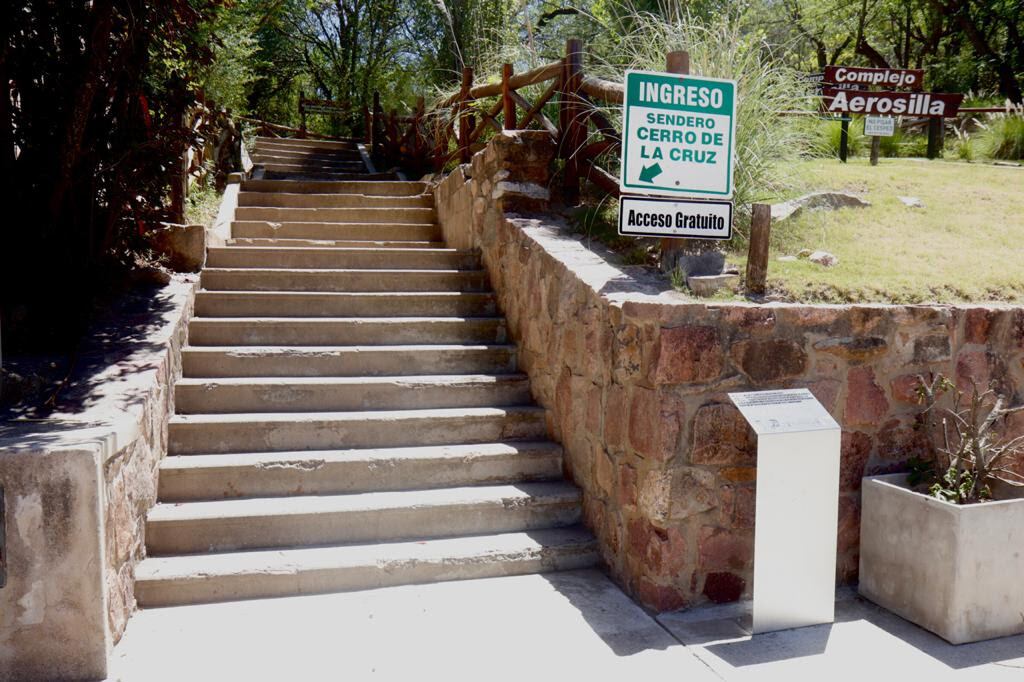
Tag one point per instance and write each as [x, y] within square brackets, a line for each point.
[572, 625]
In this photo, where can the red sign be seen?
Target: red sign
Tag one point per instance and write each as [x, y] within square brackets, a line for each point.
[908, 79]
[893, 103]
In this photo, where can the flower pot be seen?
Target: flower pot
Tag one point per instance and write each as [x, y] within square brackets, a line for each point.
[957, 570]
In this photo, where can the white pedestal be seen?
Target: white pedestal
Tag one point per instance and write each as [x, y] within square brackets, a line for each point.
[796, 510]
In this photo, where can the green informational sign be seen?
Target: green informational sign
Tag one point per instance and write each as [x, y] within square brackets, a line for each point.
[679, 135]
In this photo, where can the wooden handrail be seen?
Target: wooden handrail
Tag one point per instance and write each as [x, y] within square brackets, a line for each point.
[278, 126]
[606, 91]
[520, 80]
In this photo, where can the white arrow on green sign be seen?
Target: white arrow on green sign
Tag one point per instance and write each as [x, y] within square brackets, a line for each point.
[679, 135]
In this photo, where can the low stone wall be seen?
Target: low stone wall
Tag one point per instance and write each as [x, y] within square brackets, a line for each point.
[635, 378]
[77, 487]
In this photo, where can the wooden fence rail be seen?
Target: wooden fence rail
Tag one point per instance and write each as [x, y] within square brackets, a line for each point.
[456, 128]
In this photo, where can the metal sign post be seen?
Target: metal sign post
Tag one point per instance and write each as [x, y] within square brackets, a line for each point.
[796, 509]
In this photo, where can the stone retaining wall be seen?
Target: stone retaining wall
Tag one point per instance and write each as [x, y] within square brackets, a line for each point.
[634, 377]
[77, 487]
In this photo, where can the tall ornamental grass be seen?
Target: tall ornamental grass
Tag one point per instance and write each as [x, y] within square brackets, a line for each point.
[1004, 138]
[719, 49]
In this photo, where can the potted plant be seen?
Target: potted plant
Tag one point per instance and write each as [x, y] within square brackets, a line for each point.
[943, 546]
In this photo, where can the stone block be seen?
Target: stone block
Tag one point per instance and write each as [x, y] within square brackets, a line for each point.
[866, 403]
[721, 587]
[854, 349]
[721, 549]
[722, 437]
[654, 422]
[934, 348]
[904, 388]
[978, 324]
[688, 354]
[769, 361]
[184, 246]
[659, 597]
[672, 495]
[854, 454]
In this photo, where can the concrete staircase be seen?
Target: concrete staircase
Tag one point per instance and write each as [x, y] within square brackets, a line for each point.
[350, 414]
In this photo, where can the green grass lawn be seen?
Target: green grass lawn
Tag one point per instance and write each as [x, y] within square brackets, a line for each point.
[966, 244]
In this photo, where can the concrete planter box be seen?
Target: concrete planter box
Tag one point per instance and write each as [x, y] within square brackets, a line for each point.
[954, 570]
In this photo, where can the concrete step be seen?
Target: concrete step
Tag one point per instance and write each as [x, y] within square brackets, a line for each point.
[171, 581]
[335, 243]
[366, 188]
[335, 231]
[335, 394]
[186, 478]
[343, 331]
[342, 259]
[268, 432]
[314, 167]
[343, 304]
[311, 176]
[271, 279]
[287, 153]
[405, 216]
[295, 143]
[340, 361]
[254, 523]
[309, 200]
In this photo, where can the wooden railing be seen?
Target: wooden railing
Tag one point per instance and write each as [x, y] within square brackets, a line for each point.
[567, 106]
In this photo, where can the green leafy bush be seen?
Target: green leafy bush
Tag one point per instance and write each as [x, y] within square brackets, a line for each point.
[830, 136]
[1004, 138]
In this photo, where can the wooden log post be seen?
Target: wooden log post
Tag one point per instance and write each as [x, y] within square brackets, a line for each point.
[465, 125]
[508, 104]
[302, 115]
[377, 127]
[367, 127]
[394, 144]
[757, 255]
[935, 131]
[417, 139]
[876, 148]
[573, 131]
[844, 138]
[671, 249]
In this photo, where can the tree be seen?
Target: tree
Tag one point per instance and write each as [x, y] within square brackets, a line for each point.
[90, 128]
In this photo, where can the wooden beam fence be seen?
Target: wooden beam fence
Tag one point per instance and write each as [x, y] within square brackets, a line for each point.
[457, 126]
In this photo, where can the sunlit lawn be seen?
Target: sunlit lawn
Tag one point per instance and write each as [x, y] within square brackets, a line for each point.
[967, 243]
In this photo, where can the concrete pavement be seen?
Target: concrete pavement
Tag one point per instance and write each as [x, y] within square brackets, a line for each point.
[573, 624]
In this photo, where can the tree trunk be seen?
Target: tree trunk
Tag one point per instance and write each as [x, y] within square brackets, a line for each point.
[97, 56]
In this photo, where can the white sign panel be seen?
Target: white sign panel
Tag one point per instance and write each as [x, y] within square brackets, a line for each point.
[796, 509]
[679, 135]
[879, 126]
[783, 411]
[643, 217]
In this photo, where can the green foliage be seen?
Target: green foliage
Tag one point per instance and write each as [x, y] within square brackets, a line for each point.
[959, 487]
[1004, 138]
[966, 445]
[88, 146]
[830, 136]
[226, 81]
[964, 150]
[720, 49]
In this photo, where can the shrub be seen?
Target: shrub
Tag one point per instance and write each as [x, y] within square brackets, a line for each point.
[969, 455]
[829, 138]
[719, 49]
[1004, 138]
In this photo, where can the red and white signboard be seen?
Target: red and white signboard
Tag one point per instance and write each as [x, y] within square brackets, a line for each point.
[894, 103]
[845, 76]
